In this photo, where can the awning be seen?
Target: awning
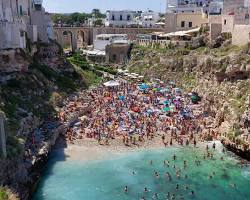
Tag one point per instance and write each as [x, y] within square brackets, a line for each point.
[111, 83]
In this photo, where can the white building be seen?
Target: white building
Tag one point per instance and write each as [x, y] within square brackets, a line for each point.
[181, 6]
[19, 18]
[103, 47]
[12, 25]
[216, 7]
[124, 18]
[102, 40]
[149, 19]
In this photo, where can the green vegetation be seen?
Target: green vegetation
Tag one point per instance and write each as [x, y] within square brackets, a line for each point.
[91, 73]
[6, 194]
[39, 91]
[78, 18]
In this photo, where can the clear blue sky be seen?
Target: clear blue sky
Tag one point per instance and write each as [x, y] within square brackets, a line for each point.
[69, 6]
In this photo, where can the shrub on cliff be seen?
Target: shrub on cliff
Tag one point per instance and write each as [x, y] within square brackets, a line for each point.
[7, 194]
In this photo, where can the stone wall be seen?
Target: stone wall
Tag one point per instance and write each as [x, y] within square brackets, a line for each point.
[227, 23]
[117, 53]
[215, 30]
[174, 21]
[241, 35]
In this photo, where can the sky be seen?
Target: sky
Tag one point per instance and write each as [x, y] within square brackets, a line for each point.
[69, 6]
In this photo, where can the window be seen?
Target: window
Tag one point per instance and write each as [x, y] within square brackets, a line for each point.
[246, 16]
[120, 17]
[128, 18]
[183, 24]
[113, 17]
[225, 21]
[21, 10]
[190, 24]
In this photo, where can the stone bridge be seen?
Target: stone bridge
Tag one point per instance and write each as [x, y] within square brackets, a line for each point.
[77, 37]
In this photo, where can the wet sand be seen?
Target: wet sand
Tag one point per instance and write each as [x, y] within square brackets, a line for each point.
[89, 149]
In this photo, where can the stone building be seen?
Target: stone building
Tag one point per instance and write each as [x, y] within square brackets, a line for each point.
[185, 15]
[21, 18]
[12, 26]
[234, 20]
[118, 53]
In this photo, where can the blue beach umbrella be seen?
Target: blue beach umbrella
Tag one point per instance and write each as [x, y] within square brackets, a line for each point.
[122, 97]
[143, 86]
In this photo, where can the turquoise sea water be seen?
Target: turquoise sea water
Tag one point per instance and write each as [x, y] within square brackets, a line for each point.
[106, 179]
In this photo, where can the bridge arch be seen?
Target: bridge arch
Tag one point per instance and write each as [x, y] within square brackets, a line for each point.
[67, 40]
[81, 39]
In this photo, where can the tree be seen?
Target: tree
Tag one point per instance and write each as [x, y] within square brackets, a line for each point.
[97, 13]
[98, 22]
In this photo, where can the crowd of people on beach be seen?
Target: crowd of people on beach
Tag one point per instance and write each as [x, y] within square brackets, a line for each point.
[137, 112]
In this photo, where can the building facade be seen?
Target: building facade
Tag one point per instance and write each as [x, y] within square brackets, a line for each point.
[12, 25]
[149, 19]
[22, 19]
[186, 14]
[124, 18]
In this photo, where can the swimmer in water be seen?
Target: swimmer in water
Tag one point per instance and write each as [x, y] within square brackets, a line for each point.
[192, 193]
[233, 185]
[174, 157]
[185, 163]
[155, 196]
[145, 189]
[126, 189]
[143, 198]
[134, 173]
[173, 197]
[177, 187]
[157, 175]
[150, 162]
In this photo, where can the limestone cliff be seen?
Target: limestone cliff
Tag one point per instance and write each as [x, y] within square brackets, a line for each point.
[33, 84]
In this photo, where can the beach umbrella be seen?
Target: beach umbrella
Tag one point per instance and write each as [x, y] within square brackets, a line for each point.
[166, 109]
[136, 109]
[150, 111]
[143, 86]
[122, 97]
[166, 102]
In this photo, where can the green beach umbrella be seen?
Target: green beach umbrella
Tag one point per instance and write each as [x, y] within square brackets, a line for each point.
[166, 109]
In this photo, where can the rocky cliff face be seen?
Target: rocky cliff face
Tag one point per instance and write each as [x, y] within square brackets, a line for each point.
[221, 76]
[40, 78]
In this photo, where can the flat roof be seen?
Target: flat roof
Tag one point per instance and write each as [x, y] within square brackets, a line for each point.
[109, 35]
